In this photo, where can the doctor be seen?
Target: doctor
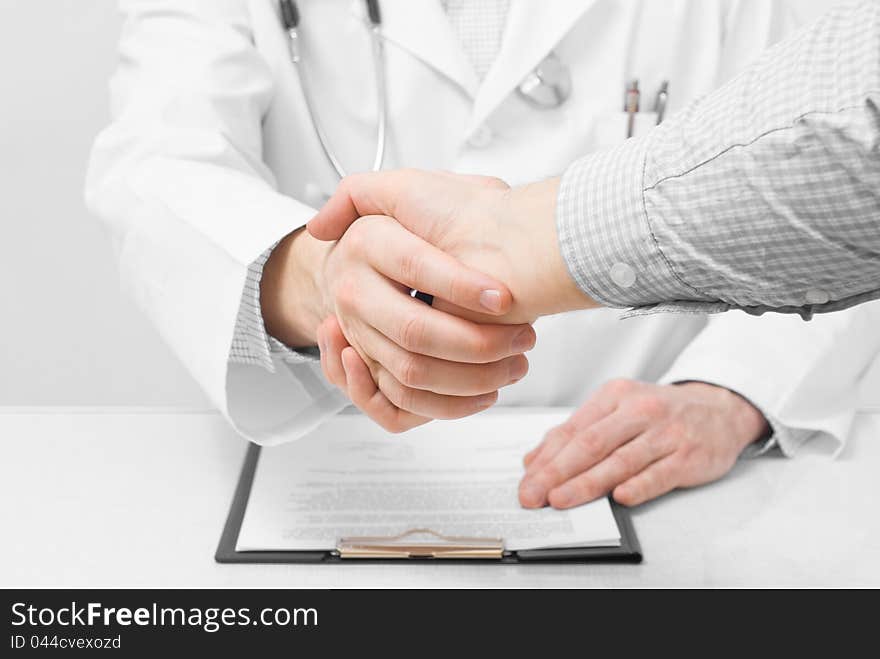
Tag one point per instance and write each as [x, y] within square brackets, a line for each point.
[213, 163]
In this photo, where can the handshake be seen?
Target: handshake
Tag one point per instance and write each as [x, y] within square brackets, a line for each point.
[486, 253]
[489, 256]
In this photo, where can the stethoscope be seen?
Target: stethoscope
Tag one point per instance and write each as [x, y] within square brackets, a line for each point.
[548, 86]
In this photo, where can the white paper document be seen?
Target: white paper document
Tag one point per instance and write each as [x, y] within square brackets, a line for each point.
[458, 478]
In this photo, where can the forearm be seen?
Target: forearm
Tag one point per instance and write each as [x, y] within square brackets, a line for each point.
[762, 196]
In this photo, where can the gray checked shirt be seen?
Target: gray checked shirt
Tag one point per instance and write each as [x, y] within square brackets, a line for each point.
[763, 196]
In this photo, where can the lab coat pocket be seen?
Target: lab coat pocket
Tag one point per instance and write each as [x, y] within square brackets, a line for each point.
[611, 129]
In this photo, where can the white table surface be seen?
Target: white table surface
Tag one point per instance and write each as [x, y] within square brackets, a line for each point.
[103, 498]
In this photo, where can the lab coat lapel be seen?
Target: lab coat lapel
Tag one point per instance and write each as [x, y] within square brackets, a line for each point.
[421, 28]
[533, 29]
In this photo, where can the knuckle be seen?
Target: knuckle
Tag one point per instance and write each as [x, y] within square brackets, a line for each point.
[678, 432]
[350, 183]
[623, 461]
[618, 387]
[404, 398]
[483, 346]
[588, 444]
[411, 333]
[650, 406]
[677, 463]
[347, 182]
[356, 238]
[688, 451]
[561, 433]
[347, 293]
[411, 371]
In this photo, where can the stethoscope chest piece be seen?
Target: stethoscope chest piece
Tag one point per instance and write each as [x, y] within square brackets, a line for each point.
[548, 86]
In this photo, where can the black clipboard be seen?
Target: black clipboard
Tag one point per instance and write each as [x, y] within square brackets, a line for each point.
[629, 550]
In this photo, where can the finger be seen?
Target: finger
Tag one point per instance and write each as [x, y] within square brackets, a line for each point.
[418, 328]
[368, 399]
[427, 403]
[438, 375]
[528, 457]
[331, 342]
[620, 466]
[587, 448]
[554, 440]
[369, 193]
[595, 409]
[661, 477]
[415, 263]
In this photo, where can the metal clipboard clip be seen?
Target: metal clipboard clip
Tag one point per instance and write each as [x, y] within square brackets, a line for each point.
[420, 543]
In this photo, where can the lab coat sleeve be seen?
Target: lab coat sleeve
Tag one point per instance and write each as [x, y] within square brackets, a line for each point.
[179, 182]
[804, 377]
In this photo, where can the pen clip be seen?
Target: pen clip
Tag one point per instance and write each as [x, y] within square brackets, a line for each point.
[662, 101]
[631, 106]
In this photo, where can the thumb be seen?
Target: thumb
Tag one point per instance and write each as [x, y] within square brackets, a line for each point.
[371, 193]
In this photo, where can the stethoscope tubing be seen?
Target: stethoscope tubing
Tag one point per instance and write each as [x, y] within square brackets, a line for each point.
[290, 16]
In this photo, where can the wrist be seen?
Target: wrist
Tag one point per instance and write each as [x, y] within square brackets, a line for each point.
[291, 289]
[748, 423]
[553, 289]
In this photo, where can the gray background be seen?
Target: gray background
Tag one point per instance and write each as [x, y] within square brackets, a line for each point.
[68, 336]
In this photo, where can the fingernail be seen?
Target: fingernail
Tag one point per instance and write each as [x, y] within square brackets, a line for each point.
[491, 300]
[525, 340]
[532, 495]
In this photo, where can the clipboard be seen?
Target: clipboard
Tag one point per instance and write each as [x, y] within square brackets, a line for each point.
[415, 544]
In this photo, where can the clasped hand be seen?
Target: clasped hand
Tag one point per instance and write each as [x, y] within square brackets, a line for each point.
[488, 255]
[454, 237]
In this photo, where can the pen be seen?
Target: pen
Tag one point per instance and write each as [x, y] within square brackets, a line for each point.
[424, 297]
[631, 106]
[662, 101]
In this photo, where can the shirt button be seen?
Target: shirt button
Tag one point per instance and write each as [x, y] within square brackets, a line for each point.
[481, 138]
[817, 296]
[623, 275]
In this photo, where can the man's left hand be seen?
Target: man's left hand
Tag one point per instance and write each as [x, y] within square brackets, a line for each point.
[640, 441]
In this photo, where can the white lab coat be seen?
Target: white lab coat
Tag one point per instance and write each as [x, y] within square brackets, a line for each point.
[211, 158]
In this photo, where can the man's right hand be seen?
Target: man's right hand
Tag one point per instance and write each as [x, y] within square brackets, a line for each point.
[509, 233]
[426, 363]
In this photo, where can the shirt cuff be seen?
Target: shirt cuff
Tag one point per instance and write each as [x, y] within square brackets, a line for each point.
[605, 235]
[251, 344]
